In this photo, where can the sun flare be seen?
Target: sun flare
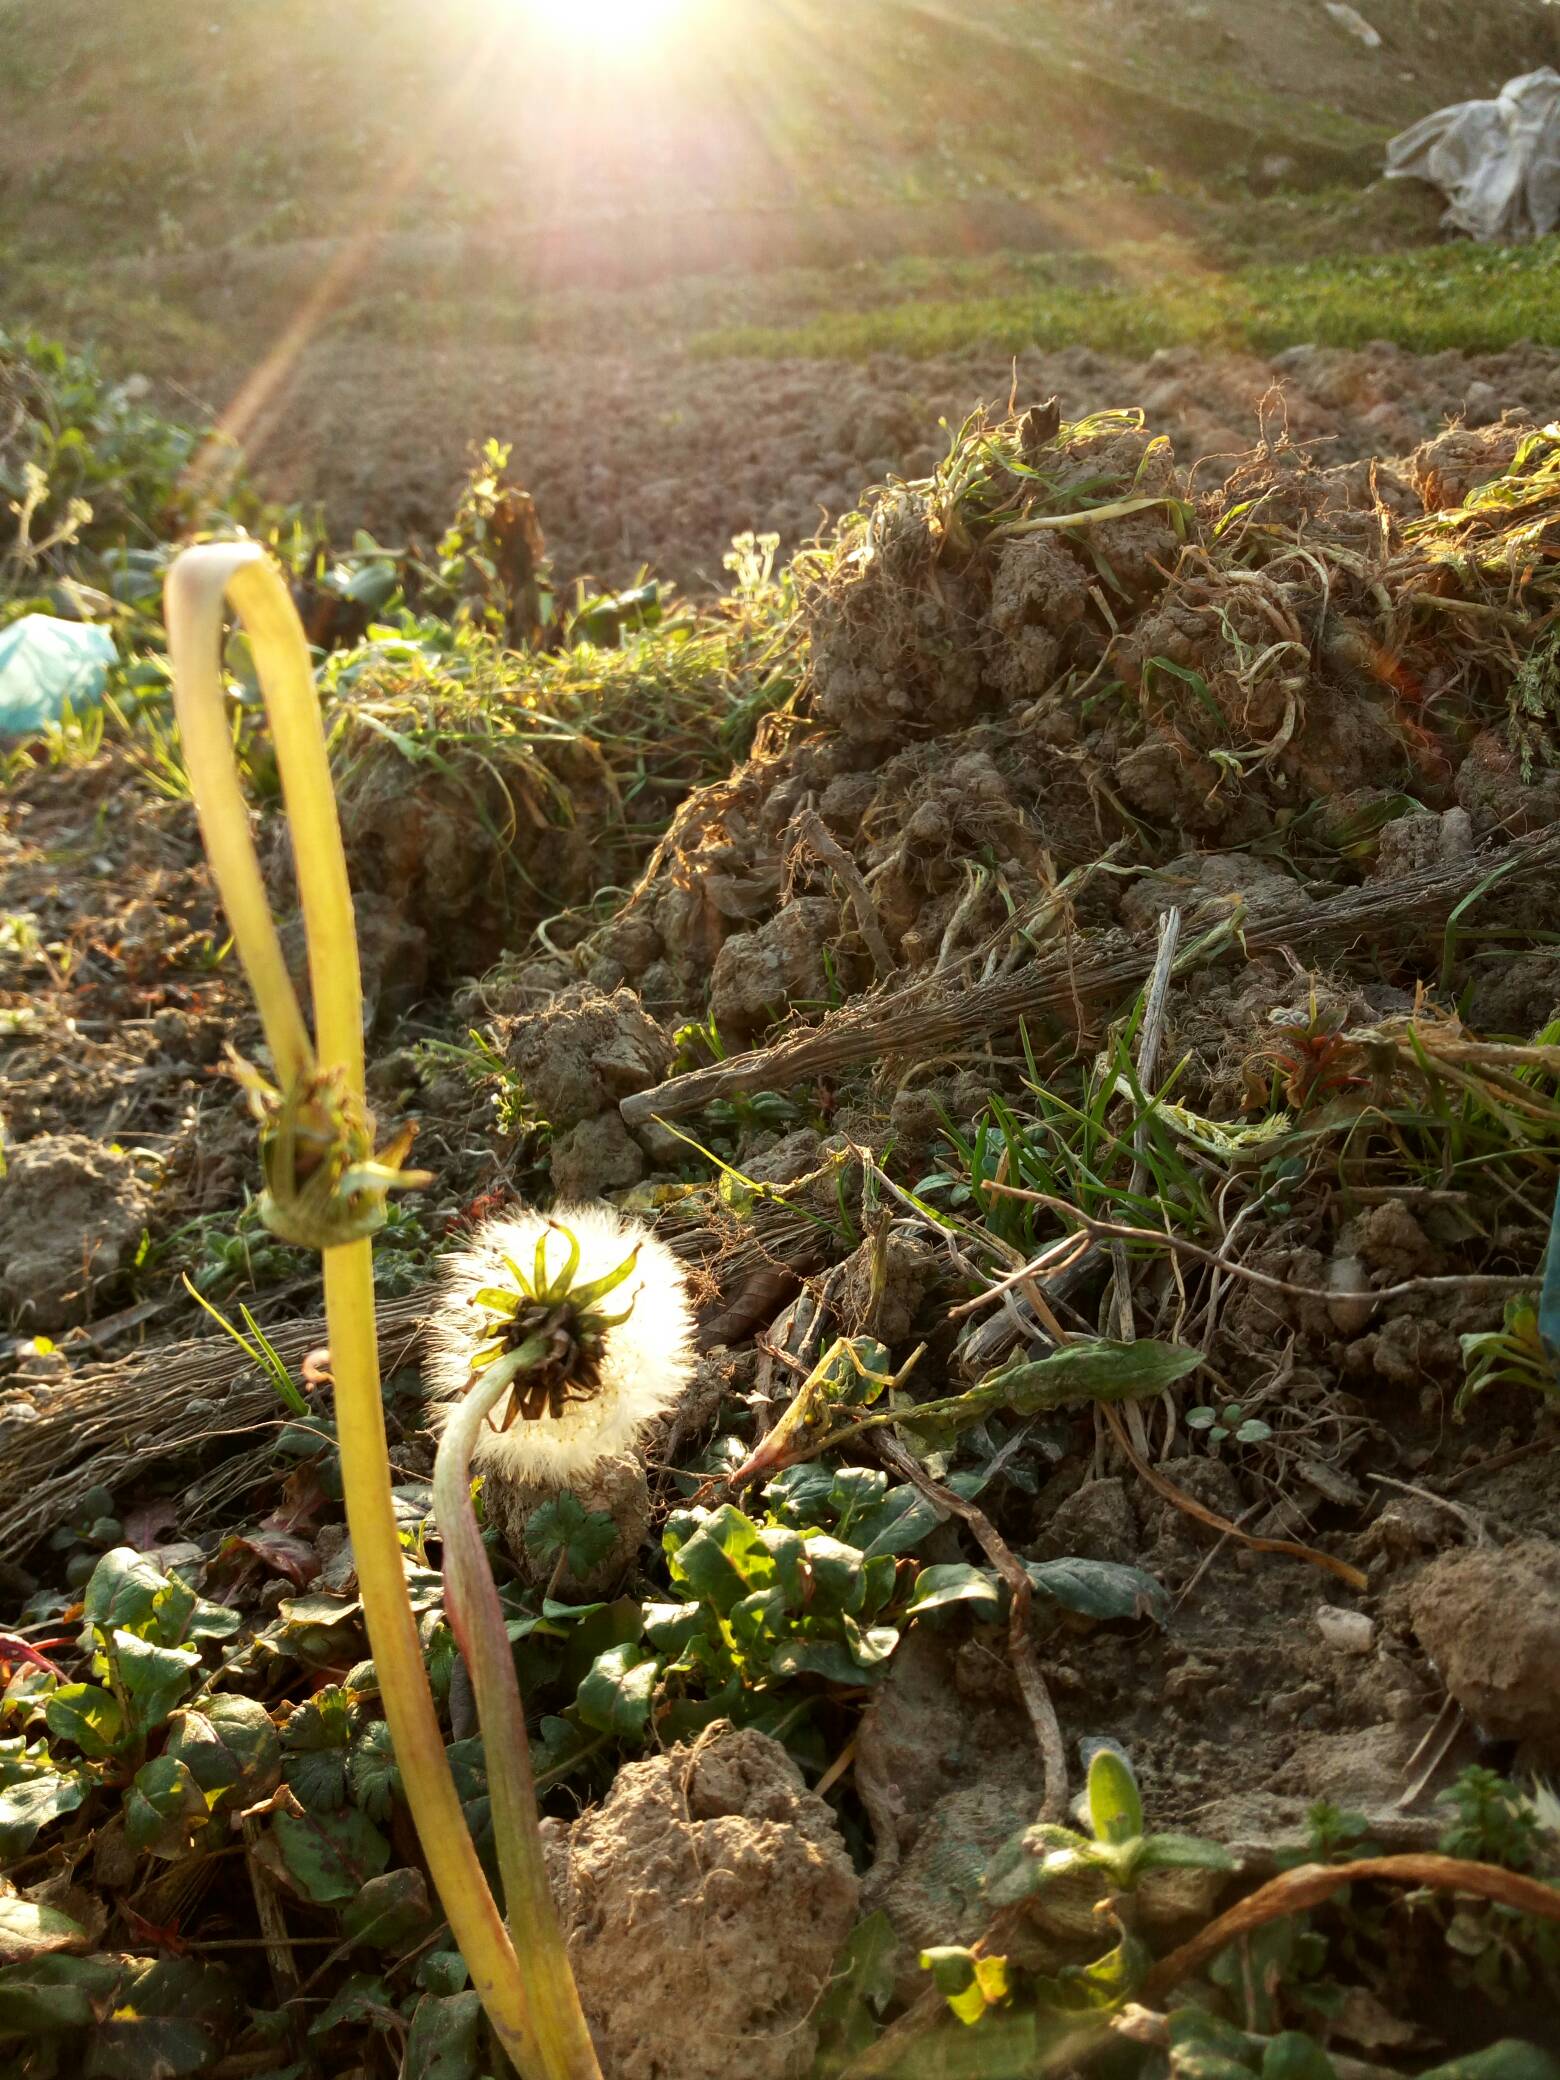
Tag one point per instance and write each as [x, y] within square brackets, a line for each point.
[606, 26]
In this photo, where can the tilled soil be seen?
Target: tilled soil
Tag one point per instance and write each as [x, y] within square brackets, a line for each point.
[642, 457]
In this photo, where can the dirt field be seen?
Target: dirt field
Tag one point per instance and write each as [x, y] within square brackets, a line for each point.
[1060, 956]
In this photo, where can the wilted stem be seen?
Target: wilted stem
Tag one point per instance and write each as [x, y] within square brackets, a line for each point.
[477, 1619]
[199, 583]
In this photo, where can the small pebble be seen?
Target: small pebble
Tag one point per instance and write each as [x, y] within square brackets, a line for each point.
[1351, 1311]
[1346, 1632]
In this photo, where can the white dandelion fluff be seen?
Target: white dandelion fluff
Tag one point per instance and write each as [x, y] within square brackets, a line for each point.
[613, 1328]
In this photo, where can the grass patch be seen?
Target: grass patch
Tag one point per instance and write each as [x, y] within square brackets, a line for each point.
[1473, 298]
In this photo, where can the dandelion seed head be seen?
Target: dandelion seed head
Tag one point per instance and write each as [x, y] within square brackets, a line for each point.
[643, 1366]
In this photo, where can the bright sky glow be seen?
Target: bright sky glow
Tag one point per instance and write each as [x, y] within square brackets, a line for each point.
[605, 27]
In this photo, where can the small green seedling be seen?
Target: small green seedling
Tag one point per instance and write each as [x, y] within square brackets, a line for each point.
[1116, 1844]
[1229, 1421]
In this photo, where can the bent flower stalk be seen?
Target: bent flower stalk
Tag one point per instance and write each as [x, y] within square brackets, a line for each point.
[325, 1188]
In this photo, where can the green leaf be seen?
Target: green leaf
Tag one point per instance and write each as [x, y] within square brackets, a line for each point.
[357, 1999]
[1205, 2047]
[170, 2019]
[1101, 1987]
[1087, 1369]
[1169, 1852]
[325, 1721]
[859, 1990]
[969, 1984]
[898, 1524]
[164, 1808]
[87, 1715]
[616, 1696]
[802, 1494]
[445, 2041]
[55, 1996]
[670, 1626]
[122, 1594]
[1294, 2056]
[564, 1525]
[388, 1911]
[30, 1801]
[230, 1748]
[156, 1678]
[443, 1972]
[28, 1930]
[1018, 1867]
[372, 1771]
[835, 1572]
[723, 1561]
[330, 1856]
[937, 1587]
[319, 1780]
[1098, 1588]
[1115, 1808]
[1506, 2060]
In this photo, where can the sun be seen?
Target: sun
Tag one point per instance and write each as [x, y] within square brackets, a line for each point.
[606, 27]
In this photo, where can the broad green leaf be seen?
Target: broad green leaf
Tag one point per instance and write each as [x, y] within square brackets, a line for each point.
[55, 1996]
[318, 1778]
[937, 1587]
[230, 1748]
[670, 1626]
[372, 1772]
[855, 1489]
[28, 1930]
[616, 1696]
[836, 1574]
[564, 1525]
[30, 1802]
[330, 1856]
[898, 1523]
[801, 1494]
[324, 1721]
[123, 1593]
[724, 1559]
[171, 2018]
[1115, 1808]
[155, 1677]
[164, 1808]
[445, 2042]
[859, 1656]
[357, 1999]
[1098, 1588]
[87, 1715]
[388, 1911]
[1294, 2056]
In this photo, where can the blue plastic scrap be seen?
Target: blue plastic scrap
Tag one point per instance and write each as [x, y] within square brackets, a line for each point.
[47, 664]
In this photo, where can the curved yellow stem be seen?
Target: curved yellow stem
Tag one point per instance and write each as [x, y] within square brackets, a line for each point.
[198, 584]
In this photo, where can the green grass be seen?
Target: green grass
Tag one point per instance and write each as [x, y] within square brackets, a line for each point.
[1474, 298]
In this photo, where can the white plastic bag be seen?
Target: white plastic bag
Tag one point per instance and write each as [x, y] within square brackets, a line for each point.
[45, 663]
[1497, 162]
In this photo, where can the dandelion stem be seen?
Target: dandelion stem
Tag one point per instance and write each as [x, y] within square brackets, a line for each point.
[565, 2051]
[199, 583]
